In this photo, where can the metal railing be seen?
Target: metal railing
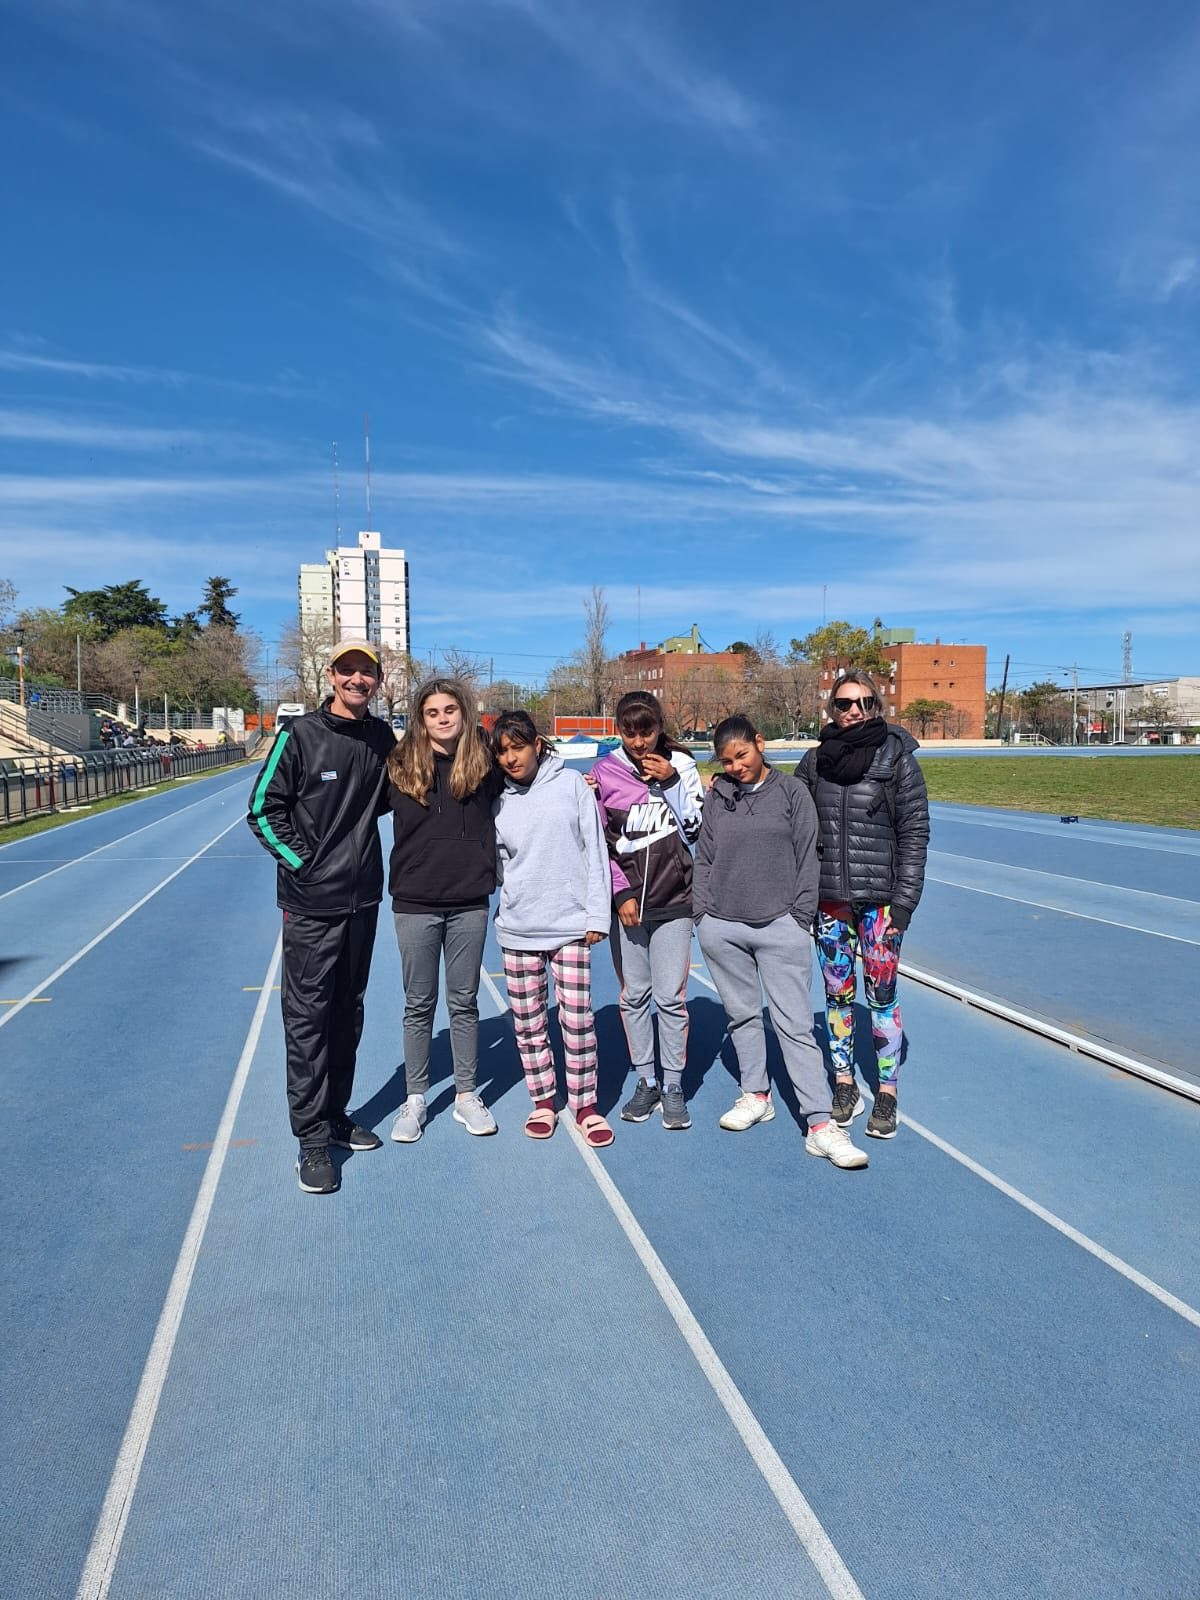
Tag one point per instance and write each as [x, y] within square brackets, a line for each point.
[35, 785]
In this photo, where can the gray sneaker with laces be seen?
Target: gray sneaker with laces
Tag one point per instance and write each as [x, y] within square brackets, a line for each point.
[474, 1115]
[674, 1108]
[410, 1119]
[644, 1100]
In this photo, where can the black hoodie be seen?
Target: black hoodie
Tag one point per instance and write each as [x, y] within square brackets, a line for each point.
[444, 854]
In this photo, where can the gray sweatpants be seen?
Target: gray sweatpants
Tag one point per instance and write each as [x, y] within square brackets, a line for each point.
[422, 937]
[747, 962]
[652, 964]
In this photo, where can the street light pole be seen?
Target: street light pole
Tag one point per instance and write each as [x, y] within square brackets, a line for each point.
[137, 703]
[20, 633]
[1075, 703]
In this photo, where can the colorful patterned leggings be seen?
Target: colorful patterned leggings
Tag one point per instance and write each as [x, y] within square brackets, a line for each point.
[529, 997]
[841, 931]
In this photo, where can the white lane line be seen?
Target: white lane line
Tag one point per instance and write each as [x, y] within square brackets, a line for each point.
[112, 927]
[1062, 911]
[114, 1514]
[1097, 832]
[820, 1549]
[75, 860]
[143, 794]
[1054, 892]
[1163, 1296]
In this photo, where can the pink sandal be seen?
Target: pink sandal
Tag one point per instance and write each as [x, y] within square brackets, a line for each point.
[596, 1131]
[540, 1123]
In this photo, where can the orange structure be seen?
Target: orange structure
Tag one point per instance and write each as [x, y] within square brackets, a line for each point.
[956, 673]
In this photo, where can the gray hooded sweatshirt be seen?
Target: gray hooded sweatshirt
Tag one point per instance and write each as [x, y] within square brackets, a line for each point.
[552, 861]
[756, 858]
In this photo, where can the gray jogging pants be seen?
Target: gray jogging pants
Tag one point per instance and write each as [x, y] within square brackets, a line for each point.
[746, 962]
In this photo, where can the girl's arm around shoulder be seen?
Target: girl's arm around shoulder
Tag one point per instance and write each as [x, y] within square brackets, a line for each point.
[595, 853]
[804, 842]
[685, 796]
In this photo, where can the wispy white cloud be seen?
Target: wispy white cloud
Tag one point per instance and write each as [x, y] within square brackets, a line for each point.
[36, 361]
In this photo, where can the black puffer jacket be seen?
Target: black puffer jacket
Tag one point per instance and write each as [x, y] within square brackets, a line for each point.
[865, 859]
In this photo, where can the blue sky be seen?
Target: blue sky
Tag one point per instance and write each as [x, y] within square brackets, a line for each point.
[753, 308]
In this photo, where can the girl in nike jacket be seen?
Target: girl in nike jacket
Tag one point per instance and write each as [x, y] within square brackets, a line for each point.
[552, 865]
[650, 803]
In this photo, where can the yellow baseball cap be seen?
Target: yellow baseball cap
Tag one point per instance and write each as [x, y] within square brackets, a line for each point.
[345, 646]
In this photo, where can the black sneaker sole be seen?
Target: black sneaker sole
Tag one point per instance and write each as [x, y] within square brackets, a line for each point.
[347, 1144]
[676, 1127]
[311, 1188]
[880, 1133]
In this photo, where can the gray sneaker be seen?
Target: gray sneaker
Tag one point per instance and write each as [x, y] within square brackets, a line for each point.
[674, 1109]
[474, 1115]
[409, 1120]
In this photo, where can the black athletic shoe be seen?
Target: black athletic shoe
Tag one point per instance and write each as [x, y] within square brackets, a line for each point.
[881, 1124]
[318, 1175]
[348, 1135]
[647, 1097]
[674, 1109]
[847, 1103]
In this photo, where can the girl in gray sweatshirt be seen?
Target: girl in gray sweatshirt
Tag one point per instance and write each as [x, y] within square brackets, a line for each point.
[555, 894]
[754, 896]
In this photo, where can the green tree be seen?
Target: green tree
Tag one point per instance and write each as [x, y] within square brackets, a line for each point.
[115, 607]
[843, 644]
[925, 712]
[1046, 708]
[218, 592]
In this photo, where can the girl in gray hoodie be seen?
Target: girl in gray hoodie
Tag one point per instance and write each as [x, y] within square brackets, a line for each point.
[555, 892]
[754, 896]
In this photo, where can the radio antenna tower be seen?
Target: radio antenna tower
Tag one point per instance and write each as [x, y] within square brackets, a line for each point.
[337, 500]
[1127, 657]
[367, 448]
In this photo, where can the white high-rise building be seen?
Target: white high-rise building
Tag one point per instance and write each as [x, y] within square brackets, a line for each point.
[370, 592]
[360, 592]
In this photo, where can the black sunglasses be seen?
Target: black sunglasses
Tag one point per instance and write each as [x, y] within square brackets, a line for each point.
[844, 702]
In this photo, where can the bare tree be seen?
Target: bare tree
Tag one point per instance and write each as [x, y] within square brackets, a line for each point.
[398, 674]
[598, 672]
[304, 650]
[456, 663]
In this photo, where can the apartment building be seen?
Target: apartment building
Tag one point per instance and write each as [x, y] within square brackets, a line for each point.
[361, 591]
[697, 687]
[956, 673]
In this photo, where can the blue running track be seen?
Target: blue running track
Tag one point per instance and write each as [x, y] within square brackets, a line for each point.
[692, 1365]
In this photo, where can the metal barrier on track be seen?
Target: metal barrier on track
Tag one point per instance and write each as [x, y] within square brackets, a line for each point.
[34, 786]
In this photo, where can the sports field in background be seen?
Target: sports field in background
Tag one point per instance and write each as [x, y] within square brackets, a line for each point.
[1165, 791]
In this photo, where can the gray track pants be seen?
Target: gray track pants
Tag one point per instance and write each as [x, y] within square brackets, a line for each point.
[745, 962]
[652, 964]
[422, 937]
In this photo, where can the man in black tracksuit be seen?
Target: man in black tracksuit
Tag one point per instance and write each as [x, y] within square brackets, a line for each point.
[316, 809]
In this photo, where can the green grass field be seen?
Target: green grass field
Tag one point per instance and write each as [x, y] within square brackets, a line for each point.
[1163, 790]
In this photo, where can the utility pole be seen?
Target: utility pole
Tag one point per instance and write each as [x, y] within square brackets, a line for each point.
[1000, 708]
[1075, 703]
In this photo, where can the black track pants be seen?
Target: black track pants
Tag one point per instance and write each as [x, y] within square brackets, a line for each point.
[326, 964]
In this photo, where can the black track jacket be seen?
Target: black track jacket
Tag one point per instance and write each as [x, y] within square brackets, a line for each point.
[316, 808]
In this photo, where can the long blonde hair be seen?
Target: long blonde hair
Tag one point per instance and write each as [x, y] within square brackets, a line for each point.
[410, 765]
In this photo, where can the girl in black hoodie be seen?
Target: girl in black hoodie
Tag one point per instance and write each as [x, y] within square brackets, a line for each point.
[443, 784]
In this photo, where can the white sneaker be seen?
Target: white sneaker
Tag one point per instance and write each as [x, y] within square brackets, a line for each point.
[746, 1110]
[474, 1115]
[409, 1120]
[834, 1144]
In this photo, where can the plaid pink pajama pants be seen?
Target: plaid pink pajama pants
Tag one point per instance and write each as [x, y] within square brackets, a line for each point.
[529, 998]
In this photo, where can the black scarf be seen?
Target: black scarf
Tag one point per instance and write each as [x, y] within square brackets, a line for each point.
[844, 754]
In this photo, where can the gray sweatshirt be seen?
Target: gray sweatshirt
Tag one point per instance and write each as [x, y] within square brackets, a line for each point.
[552, 861]
[756, 858]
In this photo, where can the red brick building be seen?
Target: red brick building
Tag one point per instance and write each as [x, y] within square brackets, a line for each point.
[697, 687]
[953, 672]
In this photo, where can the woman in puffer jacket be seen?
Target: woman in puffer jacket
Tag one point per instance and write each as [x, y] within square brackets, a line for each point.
[873, 822]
